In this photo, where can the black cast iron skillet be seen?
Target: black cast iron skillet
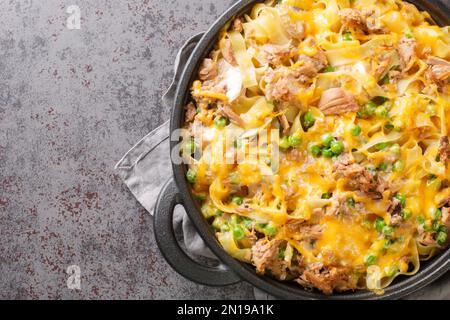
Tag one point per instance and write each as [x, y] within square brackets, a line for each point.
[177, 191]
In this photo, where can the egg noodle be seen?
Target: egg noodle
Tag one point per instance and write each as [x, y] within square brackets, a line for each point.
[357, 93]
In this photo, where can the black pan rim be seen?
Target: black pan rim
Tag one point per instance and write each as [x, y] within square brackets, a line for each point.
[286, 290]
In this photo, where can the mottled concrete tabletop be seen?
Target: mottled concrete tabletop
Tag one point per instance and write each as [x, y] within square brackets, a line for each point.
[72, 102]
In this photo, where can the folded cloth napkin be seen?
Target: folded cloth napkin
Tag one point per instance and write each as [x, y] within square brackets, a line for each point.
[146, 168]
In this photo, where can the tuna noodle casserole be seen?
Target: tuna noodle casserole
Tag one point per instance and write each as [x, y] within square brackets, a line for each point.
[358, 92]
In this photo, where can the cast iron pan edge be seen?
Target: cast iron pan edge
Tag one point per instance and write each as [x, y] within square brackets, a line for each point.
[429, 272]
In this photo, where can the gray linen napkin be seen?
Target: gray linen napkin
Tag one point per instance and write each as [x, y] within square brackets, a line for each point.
[146, 167]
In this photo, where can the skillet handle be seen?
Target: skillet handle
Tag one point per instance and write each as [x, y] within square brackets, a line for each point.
[180, 61]
[171, 250]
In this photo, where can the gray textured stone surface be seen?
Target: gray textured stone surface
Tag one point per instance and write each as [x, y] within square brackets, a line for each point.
[71, 103]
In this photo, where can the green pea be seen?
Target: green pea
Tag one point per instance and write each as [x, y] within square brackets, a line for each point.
[441, 238]
[284, 144]
[238, 233]
[369, 109]
[191, 175]
[208, 211]
[379, 224]
[428, 227]
[435, 183]
[437, 214]
[355, 131]
[307, 120]
[316, 150]
[236, 219]
[237, 200]
[270, 230]
[347, 36]
[247, 222]
[329, 68]
[387, 243]
[381, 146]
[420, 219]
[220, 224]
[382, 166]
[326, 140]
[327, 153]
[436, 226]
[326, 195]
[391, 271]
[219, 213]
[385, 79]
[406, 214]
[371, 260]
[190, 147]
[387, 230]
[382, 112]
[351, 202]
[409, 33]
[220, 122]
[337, 147]
[398, 166]
[294, 141]
[401, 198]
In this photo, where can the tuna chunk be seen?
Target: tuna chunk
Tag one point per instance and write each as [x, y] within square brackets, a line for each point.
[296, 30]
[358, 178]
[318, 60]
[341, 206]
[407, 51]
[362, 21]
[208, 70]
[283, 119]
[293, 29]
[274, 54]
[337, 101]
[327, 279]
[305, 232]
[190, 112]
[283, 83]
[425, 238]
[445, 203]
[444, 150]
[438, 71]
[265, 257]
[227, 111]
[237, 25]
[394, 210]
[227, 52]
